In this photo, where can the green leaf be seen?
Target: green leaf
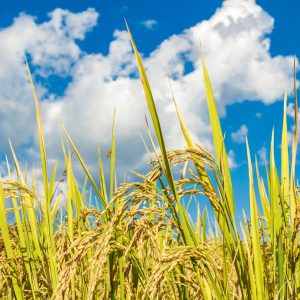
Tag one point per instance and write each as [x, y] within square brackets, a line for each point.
[256, 247]
[218, 139]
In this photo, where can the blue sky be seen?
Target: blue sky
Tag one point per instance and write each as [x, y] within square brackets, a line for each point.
[83, 66]
[173, 17]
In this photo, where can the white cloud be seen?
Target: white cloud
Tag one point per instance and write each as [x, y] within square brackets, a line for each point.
[290, 110]
[235, 44]
[231, 160]
[52, 48]
[291, 134]
[149, 24]
[262, 155]
[240, 135]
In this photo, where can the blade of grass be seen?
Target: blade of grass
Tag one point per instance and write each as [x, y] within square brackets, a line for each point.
[17, 288]
[186, 231]
[49, 234]
[89, 175]
[256, 246]
[218, 138]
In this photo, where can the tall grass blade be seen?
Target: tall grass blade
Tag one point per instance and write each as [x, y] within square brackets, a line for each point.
[218, 139]
[49, 234]
[17, 288]
[256, 245]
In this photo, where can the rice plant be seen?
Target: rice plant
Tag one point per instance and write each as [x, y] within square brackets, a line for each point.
[139, 241]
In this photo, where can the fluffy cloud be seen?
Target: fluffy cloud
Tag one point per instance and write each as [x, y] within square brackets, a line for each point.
[149, 24]
[262, 155]
[231, 160]
[240, 135]
[290, 110]
[235, 44]
[52, 48]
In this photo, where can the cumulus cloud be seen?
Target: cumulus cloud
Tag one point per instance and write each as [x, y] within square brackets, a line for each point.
[52, 48]
[231, 160]
[262, 155]
[290, 110]
[240, 135]
[234, 41]
[149, 24]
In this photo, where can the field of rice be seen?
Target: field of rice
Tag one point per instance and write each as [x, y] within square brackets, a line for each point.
[138, 241]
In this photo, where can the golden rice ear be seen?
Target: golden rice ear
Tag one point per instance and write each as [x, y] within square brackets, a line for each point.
[159, 136]
[141, 243]
[5, 236]
[185, 228]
